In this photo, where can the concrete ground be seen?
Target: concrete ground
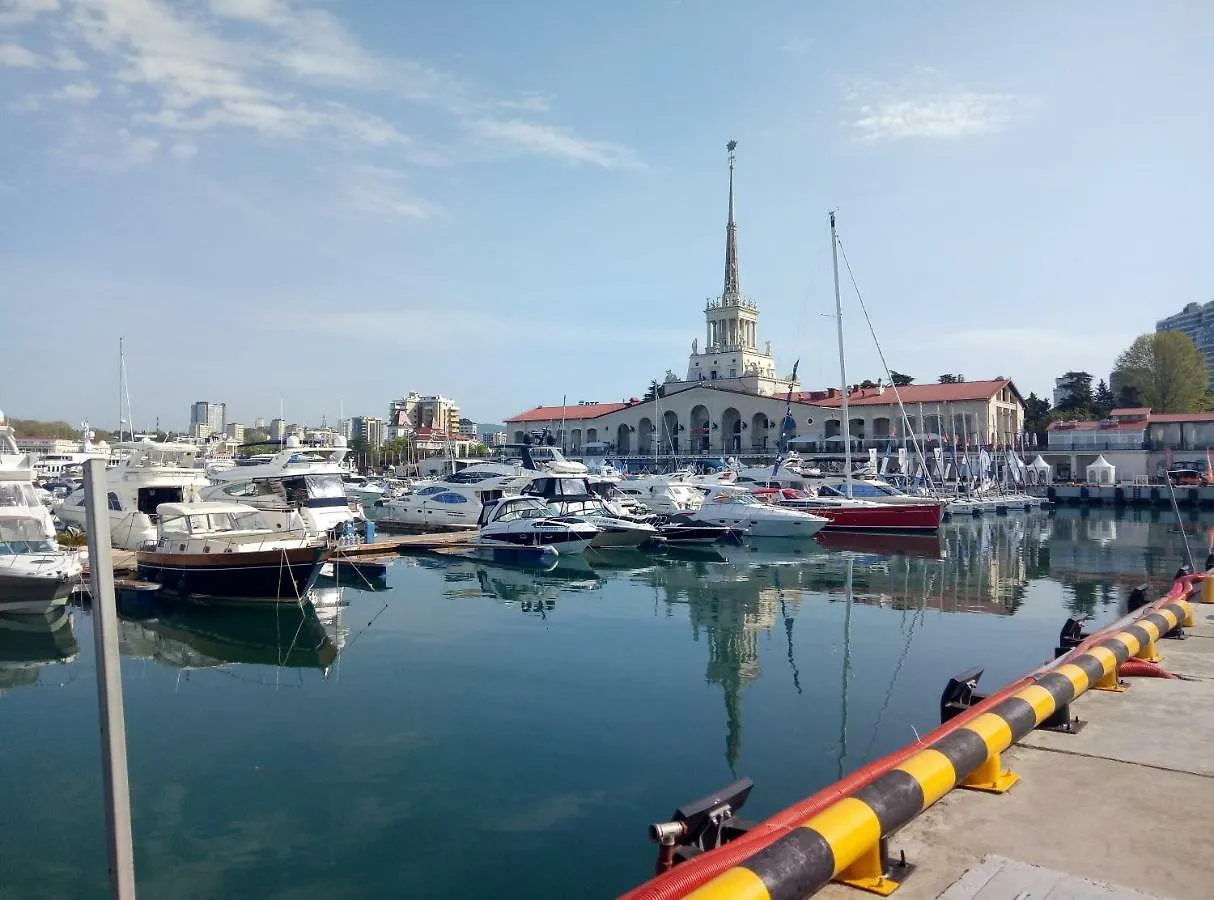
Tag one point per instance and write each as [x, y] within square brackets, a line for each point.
[1125, 806]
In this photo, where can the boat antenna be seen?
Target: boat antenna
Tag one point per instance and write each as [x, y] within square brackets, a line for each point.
[781, 444]
[881, 353]
[124, 392]
[834, 255]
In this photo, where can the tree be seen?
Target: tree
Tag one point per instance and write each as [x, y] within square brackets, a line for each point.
[1076, 390]
[1167, 372]
[867, 383]
[1102, 401]
[256, 435]
[898, 379]
[1036, 416]
[655, 390]
[951, 379]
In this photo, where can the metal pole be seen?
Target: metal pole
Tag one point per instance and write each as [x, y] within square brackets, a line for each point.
[119, 843]
[834, 255]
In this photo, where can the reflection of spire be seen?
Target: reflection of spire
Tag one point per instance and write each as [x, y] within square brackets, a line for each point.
[732, 290]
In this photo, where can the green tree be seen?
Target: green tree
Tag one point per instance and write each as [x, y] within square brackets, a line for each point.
[1077, 387]
[1036, 416]
[898, 379]
[1167, 372]
[1102, 401]
[256, 435]
[655, 390]
[951, 379]
[867, 383]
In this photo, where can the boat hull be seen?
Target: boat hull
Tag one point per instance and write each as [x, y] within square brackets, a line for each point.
[33, 595]
[883, 517]
[271, 576]
[562, 543]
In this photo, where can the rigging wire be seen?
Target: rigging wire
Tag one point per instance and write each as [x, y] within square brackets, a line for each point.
[884, 365]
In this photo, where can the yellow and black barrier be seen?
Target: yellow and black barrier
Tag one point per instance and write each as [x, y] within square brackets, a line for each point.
[843, 842]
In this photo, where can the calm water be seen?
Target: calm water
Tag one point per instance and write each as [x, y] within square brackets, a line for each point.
[476, 730]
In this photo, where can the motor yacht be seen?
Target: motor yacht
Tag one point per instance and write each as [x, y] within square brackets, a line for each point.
[737, 507]
[449, 505]
[298, 491]
[571, 495]
[228, 550]
[856, 515]
[528, 522]
[153, 473]
[666, 496]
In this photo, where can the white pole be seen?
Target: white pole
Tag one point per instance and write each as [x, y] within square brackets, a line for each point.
[109, 685]
[834, 255]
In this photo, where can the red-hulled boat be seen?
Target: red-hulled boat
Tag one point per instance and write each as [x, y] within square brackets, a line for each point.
[858, 515]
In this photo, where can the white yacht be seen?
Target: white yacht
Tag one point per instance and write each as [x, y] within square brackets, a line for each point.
[666, 496]
[452, 504]
[300, 489]
[570, 495]
[528, 522]
[36, 576]
[153, 473]
[736, 507]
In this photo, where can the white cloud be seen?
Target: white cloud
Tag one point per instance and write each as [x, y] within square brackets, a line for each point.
[182, 150]
[519, 136]
[78, 92]
[530, 101]
[67, 61]
[20, 12]
[106, 150]
[16, 56]
[378, 190]
[926, 107]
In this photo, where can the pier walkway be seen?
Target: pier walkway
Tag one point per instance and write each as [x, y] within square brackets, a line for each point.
[1118, 811]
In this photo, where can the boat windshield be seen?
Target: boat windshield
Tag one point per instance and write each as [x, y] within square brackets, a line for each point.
[215, 523]
[530, 509]
[17, 493]
[23, 535]
[738, 499]
[316, 490]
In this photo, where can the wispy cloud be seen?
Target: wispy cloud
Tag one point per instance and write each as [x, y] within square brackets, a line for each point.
[378, 190]
[515, 136]
[76, 92]
[926, 106]
[17, 57]
[19, 12]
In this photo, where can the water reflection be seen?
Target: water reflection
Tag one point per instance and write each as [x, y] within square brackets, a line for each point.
[189, 636]
[30, 643]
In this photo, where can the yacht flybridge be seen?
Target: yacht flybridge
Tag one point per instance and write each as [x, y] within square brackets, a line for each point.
[528, 522]
[153, 473]
[298, 490]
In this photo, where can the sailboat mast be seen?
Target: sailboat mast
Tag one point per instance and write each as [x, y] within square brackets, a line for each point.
[834, 257]
[121, 373]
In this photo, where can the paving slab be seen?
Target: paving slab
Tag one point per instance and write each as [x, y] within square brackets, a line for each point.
[1000, 878]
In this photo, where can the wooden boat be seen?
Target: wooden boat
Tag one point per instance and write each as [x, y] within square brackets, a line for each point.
[225, 550]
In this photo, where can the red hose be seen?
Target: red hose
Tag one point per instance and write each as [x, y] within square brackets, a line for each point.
[1140, 668]
[685, 878]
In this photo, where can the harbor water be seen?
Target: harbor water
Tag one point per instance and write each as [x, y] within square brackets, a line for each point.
[472, 730]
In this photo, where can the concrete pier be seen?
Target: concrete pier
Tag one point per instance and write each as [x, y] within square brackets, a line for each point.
[1121, 810]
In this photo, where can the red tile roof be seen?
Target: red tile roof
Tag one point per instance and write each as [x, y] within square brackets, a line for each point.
[556, 413]
[1181, 417]
[911, 393]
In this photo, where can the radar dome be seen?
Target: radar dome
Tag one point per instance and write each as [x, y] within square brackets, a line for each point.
[292, 442]
[338, 441]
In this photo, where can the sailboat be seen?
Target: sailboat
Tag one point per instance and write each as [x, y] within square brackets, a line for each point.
[847, 513]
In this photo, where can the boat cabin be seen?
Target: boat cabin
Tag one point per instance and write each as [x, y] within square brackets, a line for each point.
[207, 519]
[508, 509]
[22, 533]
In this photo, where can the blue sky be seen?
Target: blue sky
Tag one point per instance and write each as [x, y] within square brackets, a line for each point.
[334, 203]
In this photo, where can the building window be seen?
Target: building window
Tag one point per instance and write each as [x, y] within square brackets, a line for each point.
[714, 375]
[733, 373]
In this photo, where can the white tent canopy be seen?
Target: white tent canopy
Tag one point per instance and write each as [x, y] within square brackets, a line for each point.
[1101, 471]
[1040, 471]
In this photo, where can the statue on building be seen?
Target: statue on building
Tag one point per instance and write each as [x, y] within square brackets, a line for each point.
[670, 376]
[695, 346]
[767, 348]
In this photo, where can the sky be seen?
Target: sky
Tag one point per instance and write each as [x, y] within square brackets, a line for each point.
[328, 204]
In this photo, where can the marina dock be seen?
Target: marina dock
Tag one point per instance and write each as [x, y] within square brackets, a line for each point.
[1109, 805]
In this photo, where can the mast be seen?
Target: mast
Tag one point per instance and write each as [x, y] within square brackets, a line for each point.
[731, 288]
[121, 373]
[834, 256]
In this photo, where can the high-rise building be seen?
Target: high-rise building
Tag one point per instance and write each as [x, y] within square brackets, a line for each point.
[278, 430]
[434, 413]
[1197, 321]
[204, 412]
[369, 429]
[468, 429]
[259, 423]
[236, 432]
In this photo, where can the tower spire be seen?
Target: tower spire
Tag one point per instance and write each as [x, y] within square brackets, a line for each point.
[731, 292]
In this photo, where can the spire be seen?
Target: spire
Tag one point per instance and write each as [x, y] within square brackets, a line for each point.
[731, 292]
